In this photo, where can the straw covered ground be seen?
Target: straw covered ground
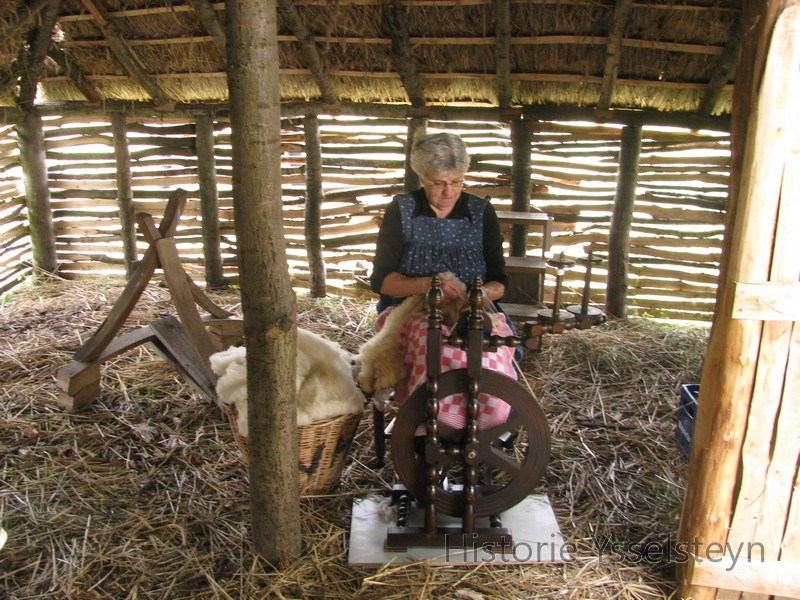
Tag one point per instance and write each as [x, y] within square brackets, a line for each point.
[142, 493]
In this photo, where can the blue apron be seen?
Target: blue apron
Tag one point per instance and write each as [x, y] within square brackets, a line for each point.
[434, 245]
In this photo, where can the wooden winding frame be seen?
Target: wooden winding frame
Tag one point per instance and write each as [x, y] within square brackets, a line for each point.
[187, 341]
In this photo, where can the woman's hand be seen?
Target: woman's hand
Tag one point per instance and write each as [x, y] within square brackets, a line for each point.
[451, 292]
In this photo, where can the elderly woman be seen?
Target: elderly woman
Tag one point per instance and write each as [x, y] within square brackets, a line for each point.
[438, 228]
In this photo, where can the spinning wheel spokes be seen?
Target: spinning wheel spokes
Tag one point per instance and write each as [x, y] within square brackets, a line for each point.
[519, 470]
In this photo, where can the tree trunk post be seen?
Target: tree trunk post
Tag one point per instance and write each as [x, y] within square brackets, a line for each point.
[30, 138]
[268, 302]
[127, 217]
[416, 129]
[209, 200]
[619, 236]
[520, 181]
[314, 199]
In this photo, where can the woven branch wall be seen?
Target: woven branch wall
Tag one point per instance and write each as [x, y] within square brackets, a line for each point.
[676, 236]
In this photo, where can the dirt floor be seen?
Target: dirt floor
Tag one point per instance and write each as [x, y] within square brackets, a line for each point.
[142, 494]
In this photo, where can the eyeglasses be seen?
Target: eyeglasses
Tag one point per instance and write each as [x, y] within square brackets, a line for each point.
[441, 185]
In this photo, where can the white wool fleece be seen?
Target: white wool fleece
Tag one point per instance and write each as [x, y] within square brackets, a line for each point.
[323, 381]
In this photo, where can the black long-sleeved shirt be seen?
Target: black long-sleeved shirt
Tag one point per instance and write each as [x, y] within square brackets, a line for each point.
[390, 246]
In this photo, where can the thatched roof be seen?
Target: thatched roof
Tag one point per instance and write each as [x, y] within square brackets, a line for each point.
[663, 55]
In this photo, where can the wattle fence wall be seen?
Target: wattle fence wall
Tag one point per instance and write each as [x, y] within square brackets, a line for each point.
[675, 240]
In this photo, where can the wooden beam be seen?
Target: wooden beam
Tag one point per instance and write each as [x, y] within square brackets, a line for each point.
[619, 235]
[313, 207]
[126, 56]
[309, 50]
[396, 25]
[535, 40]
[75, 73]
[502, 52]
[127, 216]
[401, 111]
[179, 8]
[754, 576]
[24, 13]
[724, 69]
[33, 59]
[135, 69]
[268, 301]
[209, 200]
[622, 10]
[211, 23]
[775, 301]
[450, 77]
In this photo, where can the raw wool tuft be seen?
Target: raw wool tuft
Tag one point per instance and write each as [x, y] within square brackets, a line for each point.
[382, 363]
[323, 380]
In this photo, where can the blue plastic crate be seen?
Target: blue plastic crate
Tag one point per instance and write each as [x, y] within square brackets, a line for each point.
[687, 412]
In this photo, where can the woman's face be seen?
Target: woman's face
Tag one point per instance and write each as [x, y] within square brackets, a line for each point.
[443, 190]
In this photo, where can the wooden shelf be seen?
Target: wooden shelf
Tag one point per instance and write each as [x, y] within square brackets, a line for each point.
[525, 264]
[522, 312]
[523, 218]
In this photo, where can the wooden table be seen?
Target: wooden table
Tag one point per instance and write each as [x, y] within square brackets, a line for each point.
[526, 273]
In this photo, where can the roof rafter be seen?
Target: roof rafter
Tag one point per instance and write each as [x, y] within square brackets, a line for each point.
[309, 49]
[24, 14]
[208, 17]
[74, 72]
[126, 56]
[33, 65]
[622, 10]
[502, 51]
[396, 24]
[724, 69]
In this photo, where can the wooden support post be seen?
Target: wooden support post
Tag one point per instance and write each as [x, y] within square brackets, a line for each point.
[127, 219]
[520, 181]
[209, 200]
[742, 473]
[314, 199]
[268, 302]
[30, 138]
[619, 236]
[416, 129]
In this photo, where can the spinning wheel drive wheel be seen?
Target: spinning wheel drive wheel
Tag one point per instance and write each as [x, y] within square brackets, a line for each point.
[516, 470]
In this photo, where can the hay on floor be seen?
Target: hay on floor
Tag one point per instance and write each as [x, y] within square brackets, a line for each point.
[142, 494]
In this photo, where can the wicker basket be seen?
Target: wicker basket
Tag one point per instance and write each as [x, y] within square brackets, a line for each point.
[323, 446]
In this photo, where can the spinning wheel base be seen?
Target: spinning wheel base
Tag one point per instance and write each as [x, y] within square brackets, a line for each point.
[537, 537]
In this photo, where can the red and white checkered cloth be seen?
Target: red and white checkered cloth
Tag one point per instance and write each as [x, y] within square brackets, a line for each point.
[453, 409]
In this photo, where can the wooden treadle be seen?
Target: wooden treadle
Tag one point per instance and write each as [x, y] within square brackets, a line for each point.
[172, 344]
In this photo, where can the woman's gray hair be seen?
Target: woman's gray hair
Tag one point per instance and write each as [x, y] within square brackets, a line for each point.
[438, 153]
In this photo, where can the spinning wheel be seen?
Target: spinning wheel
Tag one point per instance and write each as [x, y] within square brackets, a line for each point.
[516, 468]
